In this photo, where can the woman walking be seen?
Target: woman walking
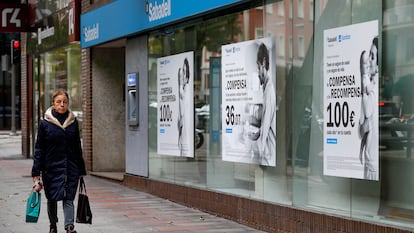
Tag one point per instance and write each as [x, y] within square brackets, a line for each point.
[58, 160]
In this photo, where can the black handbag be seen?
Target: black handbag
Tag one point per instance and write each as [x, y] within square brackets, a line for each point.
[83, 212]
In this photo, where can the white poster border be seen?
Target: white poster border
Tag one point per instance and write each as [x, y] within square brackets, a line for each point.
[249, 102]
[175, 103]
[351, 128]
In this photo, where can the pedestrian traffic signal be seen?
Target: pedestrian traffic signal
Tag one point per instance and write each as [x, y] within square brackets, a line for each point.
[15, 52]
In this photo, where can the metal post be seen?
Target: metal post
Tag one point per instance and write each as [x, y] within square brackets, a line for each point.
[13, 100]
[4, 72]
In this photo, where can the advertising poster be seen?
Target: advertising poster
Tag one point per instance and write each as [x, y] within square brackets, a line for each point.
[249, 102]
[350, 63]
[175, 79]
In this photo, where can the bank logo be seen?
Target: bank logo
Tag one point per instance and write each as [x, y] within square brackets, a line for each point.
[233, 49]
[165, 62]
[341, 38]
[91, 33]
[332, 39]
[158, 9]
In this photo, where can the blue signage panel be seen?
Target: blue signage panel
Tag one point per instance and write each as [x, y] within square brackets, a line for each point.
[125, 17]
[215, 100]
[132, 79]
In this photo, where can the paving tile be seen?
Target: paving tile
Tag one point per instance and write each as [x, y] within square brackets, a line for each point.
[115, 208]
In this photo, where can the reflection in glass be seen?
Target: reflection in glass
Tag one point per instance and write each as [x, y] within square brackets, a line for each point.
[298, 177]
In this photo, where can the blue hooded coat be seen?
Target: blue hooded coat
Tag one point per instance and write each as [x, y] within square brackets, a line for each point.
[58, 156]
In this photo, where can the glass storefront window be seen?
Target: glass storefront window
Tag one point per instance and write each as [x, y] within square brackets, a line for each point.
[396, 113]
[58, 69]
[298, 178]
[387, 200]
[207, 169]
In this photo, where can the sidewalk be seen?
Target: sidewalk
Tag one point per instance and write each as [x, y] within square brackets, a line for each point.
[115, 208]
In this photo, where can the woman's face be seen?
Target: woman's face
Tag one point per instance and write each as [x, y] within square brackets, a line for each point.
[366, 67]
[60, 104]
[262, 71]
[184, 74]
[373, 59]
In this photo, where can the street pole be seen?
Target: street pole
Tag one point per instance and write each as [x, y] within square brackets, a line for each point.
[5, 67]
[4, 70]
[13, 100]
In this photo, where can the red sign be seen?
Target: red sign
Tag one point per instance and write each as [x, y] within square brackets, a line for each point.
[73, 20]
[13, 17]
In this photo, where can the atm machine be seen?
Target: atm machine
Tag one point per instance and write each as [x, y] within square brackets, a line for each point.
[132, 99]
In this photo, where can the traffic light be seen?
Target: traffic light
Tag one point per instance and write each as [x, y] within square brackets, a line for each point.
[15, 51]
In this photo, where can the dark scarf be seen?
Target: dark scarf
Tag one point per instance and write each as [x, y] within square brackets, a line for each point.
[60, 117]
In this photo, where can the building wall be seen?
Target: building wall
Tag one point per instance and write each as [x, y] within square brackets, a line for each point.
[108, 111]
[87, 5]
[136, 143]
[300, 214]
[87, 108]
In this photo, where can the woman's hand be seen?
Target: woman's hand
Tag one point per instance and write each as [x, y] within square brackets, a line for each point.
[38, 185]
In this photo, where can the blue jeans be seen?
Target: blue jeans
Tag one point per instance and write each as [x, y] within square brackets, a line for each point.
[68, 212]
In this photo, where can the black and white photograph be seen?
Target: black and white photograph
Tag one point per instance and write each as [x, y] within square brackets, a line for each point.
[249, 102]
[351, 135]
[175, 105]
